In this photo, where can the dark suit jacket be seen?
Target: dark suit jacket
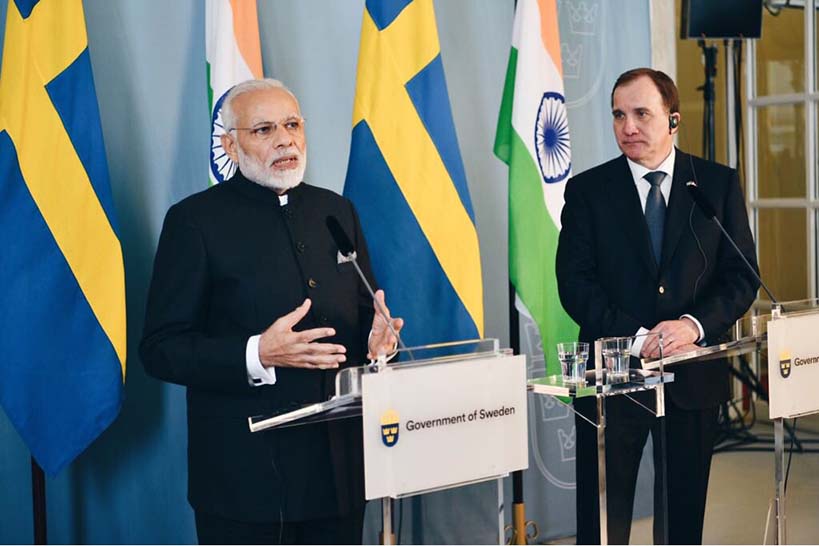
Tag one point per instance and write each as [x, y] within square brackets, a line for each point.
[610, 284]
[231, 261]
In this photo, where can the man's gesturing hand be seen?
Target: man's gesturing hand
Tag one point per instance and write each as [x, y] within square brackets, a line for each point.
[381, 339]
[280, 346]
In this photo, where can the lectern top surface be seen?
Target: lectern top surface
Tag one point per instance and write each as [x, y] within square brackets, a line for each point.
[339, 407]
[704, 354]
[599, 383]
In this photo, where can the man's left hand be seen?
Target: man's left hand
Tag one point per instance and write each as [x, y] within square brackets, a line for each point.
[678, 337]
[382, 340]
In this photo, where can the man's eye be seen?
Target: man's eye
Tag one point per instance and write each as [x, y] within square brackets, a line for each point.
[264, 130]
[292, 125]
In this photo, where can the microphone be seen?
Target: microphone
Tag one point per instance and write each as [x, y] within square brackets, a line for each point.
[701, 201]
[705, 206]
[346, 248]
[344, 244]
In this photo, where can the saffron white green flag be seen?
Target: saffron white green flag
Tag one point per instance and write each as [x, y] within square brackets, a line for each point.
[233, 54]
[533, 139]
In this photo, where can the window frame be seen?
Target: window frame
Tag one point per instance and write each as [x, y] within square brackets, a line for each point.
[809, 98]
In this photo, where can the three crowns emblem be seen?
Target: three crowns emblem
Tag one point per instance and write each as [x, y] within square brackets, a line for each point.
[389, 428]
[785, 364]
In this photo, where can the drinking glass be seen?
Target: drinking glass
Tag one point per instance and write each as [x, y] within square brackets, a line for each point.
[573, 356]
[617, 355]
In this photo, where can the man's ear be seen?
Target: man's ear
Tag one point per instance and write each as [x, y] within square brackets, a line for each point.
[673, 123]
[230, 147]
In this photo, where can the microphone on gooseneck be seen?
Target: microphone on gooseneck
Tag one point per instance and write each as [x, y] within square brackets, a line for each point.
[347, 250]
[705, 206]
[344, 244]
[701, 201]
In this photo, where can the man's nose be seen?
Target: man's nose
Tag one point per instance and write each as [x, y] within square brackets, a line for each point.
[629, 127]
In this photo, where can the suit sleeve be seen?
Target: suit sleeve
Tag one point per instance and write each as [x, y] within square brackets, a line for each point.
[175, 346]
[579, 286]
[732, 288]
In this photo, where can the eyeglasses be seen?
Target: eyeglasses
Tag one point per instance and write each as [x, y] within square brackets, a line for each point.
[266, 129]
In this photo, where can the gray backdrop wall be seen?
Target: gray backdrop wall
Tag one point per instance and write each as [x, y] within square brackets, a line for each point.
[148, 60]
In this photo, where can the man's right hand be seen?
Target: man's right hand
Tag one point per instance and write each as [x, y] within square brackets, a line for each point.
[280, 346]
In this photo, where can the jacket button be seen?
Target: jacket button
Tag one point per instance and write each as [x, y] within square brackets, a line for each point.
[300, 246]
[661, 290]
[312, 283]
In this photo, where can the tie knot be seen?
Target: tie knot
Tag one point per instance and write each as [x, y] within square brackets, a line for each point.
[654, 178]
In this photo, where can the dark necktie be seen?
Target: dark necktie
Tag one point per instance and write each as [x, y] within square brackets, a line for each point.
[655, 212]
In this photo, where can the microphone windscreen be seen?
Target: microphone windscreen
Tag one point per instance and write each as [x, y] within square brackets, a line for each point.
[345, 246]
[700, 199]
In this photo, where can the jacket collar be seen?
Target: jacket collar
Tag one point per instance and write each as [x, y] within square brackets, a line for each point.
[627, 209]
[679, 208]
[259, 193]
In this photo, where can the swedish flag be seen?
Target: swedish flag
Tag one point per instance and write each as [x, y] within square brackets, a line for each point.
[407, 180]
[62, 282]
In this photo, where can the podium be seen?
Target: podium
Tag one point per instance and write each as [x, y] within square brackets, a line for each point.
[793, 376]
[439, 417]
[788, 334]
[601, 385]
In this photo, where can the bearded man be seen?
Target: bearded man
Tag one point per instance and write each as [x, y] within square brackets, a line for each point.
[253, 310]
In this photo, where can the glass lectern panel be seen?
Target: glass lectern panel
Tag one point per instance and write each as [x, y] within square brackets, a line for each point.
[797, 307]
[346, 402]
[443, 352]
[750, 332]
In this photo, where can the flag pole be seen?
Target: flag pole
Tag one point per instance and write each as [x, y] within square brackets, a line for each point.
[38, 496]
[518, 506]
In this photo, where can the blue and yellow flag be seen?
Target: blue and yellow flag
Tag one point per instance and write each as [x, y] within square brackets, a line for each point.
[407, 180]
[62, 282]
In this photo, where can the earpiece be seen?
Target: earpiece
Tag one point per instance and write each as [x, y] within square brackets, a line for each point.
[673, 122]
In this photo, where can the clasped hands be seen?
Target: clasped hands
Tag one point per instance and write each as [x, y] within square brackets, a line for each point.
[281, 346]
[679, 336]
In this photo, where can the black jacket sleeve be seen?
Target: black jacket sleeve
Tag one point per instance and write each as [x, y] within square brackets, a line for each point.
[175, 346]
[581, 293]
[731, 288]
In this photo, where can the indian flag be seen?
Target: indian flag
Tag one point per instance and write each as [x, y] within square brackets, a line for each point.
[533, 139]
[233, 54]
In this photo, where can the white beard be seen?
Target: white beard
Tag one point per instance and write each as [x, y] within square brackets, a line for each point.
[258, 172]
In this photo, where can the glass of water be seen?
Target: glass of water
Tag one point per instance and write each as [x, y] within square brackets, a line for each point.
[617, 355]
[573, 356]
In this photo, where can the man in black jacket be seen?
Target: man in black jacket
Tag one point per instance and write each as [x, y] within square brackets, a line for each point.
[253, 309]
[635, 255]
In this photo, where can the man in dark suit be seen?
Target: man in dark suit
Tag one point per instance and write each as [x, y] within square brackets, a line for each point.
[253, 309]
[636, 255]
